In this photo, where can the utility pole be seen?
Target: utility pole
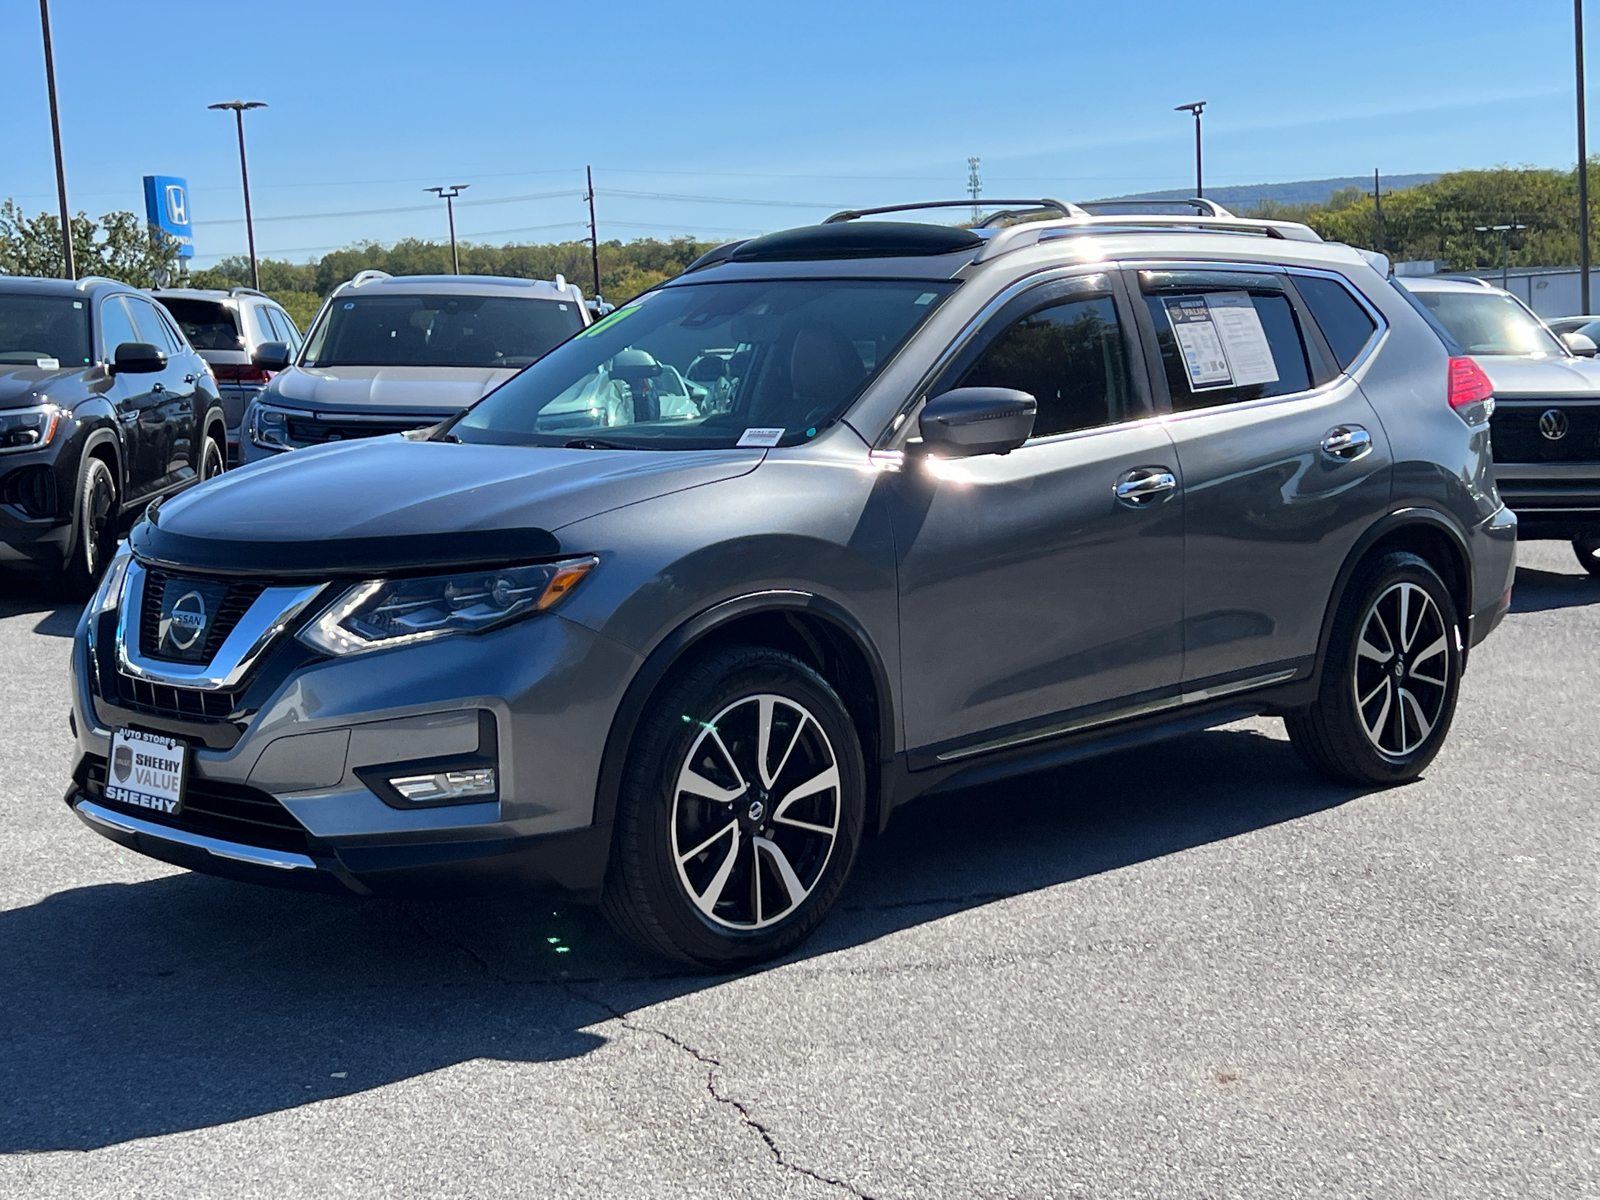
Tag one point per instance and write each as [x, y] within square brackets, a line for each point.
[1198, 107]
[594, 237]
[1583, 166]
[448, 195]
[239, 108]
[1505, 248]
[974, 188]
[69, 261]
[1377, 212]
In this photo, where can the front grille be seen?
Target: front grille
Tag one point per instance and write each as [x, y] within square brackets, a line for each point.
[1516, 438]
[312, 432]
[240, 595]
[231, 812]
[183, 704]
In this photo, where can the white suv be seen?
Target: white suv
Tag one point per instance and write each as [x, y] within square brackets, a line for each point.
[389, 354]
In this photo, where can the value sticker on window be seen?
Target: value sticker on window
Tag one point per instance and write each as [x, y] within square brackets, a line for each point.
[760, 437]
[1199, 342]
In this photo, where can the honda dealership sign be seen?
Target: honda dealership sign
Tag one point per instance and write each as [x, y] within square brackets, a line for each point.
[166, 206]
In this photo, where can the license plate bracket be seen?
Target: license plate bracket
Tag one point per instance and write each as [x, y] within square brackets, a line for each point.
[147, 771]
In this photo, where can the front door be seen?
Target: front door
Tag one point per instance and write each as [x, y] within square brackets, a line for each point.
[169, 418]
[1284, 462]
[143, 457]
[1027, 587]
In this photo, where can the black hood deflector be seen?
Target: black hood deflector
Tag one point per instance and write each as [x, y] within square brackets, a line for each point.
[342, 558]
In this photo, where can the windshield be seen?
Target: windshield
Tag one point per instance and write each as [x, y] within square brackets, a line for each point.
[706, 366]
[1489, 323]
[439, 331]
[43, 330]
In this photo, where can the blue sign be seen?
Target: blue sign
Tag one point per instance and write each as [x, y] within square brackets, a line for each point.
[166, 206]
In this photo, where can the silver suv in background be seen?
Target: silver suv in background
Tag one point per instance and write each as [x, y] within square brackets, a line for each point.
[1546, 424]
[227, 328]
[390, 354]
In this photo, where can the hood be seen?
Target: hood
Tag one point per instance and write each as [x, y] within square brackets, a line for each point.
[386, 389]
[354, 508]
[20, 386]
[1514, 375]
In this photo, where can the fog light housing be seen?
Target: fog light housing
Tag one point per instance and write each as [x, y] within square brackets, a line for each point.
[445, 786]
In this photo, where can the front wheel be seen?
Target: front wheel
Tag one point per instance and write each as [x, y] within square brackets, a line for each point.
[740, 811]
[94, 538]
[1390, 679]
[1587, 547]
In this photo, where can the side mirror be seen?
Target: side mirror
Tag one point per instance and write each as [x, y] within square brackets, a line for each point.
[1580, 344]
[977, 420]
[138, 358]
[271, 356]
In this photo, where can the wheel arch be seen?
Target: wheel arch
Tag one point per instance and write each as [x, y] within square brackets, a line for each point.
[1424, 532]
[102, 444]
[818, 631]
[216, 425]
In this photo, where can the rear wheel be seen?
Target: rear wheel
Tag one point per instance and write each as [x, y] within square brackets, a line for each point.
[1587, 547]
[1389, 683]
[212, 460]
[94, 540]
[740, 811]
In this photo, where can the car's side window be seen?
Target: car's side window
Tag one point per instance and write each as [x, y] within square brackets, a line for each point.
[148, 322]
[116, 326]
[267, 324]
[1225, 338]
[1343, 321]
[1069, 356]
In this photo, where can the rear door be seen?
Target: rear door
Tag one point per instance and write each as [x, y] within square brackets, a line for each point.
[1027, 588]
[1284, 463]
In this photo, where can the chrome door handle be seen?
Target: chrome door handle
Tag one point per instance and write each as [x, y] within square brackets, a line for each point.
[1347, 443]
[1141, 485]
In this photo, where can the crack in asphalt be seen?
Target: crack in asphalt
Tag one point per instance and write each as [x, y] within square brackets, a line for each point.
[891, 905]
[713, 1065]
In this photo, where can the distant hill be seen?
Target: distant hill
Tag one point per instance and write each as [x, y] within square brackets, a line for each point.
[1305, 191]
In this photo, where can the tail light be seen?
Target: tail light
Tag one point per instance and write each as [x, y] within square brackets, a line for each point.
[240, 373]
[1471, 394]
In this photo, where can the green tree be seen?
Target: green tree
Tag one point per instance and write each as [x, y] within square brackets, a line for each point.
[119, 246]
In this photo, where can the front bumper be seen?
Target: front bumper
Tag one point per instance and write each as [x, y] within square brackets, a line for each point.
[283, 773]
[1551, 500]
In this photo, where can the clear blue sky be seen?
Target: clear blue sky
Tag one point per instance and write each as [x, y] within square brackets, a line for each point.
[823, 104]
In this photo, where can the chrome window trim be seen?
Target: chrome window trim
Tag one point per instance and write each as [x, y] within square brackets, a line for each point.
[282, 860]
[260, 626]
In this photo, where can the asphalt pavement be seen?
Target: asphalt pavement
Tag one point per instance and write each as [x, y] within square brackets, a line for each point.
[1194, 970]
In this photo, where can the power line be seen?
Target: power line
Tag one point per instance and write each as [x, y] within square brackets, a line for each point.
[374, 212]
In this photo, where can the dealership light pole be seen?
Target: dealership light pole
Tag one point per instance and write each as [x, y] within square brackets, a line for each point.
[239, 107]
[448, 195]
[55, 132]
[1583, 165]
[1198, 107]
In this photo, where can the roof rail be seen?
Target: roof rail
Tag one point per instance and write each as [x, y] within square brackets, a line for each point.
[1019, 236]
[368, 276]
[1206, 208]
[85, 280]
[1064, 207]
[244, 291]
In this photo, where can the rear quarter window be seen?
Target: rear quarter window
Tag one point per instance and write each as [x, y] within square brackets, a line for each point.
[1347, 325]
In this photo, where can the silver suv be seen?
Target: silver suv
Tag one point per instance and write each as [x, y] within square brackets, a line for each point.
[388, 354]
[942, 504]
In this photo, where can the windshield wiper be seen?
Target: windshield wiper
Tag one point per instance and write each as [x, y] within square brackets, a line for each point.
[595, 444]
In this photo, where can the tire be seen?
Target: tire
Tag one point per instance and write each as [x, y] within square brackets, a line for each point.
[1387, 698]
[1587, 547]
[213, 459]
[742, 864]
[94, 538]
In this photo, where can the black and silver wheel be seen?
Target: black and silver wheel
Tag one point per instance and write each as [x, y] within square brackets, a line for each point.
[1587, 547]
[1389, 683]
[94, 538]
[213, 461]
[740, 812]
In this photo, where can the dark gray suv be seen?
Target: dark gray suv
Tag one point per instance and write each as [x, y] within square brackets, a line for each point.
[842, 516]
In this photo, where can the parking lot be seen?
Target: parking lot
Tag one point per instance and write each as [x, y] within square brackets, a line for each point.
[1196, 970]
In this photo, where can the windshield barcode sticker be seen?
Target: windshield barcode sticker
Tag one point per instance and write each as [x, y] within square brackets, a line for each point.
[760, 437]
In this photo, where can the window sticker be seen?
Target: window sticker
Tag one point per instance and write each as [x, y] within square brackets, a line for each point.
[47, 364]
[760, 437]
[1222, 340]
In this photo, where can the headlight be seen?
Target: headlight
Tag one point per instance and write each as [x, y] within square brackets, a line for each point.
[109, 594]
[382, 613]
[29, 428]
[269, 427]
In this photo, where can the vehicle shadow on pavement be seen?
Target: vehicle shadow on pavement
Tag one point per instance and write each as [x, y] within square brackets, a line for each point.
[21, 594]
[1541, 591]
[140, 1009]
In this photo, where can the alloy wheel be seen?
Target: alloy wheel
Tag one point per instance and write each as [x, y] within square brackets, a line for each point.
[1402, 669]
[755, 812]
[97, 523]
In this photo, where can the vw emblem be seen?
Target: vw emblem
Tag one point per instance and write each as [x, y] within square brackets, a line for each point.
[1553, 424]
[187, 622]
